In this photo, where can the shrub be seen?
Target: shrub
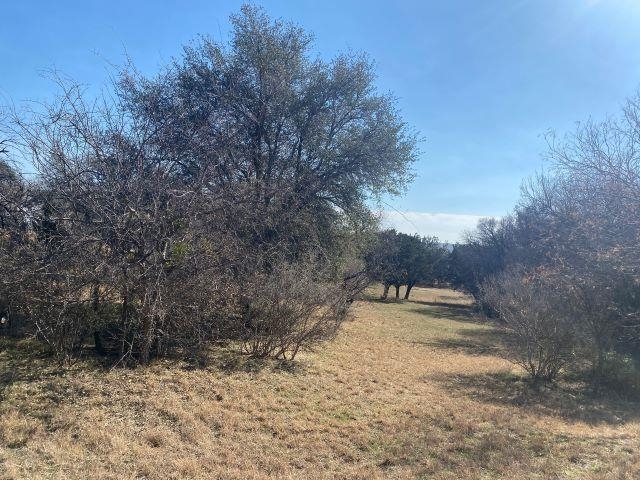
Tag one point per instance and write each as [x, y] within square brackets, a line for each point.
[289, 309]
[534, 311]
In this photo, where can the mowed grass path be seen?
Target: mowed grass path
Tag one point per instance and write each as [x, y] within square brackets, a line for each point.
[417, 389]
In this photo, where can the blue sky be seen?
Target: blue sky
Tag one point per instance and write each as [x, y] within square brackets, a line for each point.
[480, 80]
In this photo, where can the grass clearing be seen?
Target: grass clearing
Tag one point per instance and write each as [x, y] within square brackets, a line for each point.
[415, 389]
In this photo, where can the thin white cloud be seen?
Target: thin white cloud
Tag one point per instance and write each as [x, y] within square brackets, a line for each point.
[448, 227]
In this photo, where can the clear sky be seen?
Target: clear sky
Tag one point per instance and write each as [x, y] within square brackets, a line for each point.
[480, 80]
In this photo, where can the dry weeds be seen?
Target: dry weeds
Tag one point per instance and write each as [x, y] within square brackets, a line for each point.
[417, 389]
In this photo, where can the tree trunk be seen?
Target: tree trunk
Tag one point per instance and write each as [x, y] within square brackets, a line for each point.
[406, 294]
[397, 291]
[95, 305]
[124, 320]
[598, 365]
[95, 298]
[97, 340]
[147, 330]
[145, 348]
[385, 292]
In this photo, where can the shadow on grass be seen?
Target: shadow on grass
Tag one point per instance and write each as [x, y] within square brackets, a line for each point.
[369, 297]
[26, 361]
[30, 362]
[459, 313]
[570, 400]
[475, 341]
[452, 305]
[32, 380]
[230, 360]
[445, 301]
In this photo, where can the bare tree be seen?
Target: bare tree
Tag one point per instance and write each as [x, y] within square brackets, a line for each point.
[537, 315]
[115, 228]
[158, 207]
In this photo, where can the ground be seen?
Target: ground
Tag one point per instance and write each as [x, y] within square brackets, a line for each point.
[416, 389]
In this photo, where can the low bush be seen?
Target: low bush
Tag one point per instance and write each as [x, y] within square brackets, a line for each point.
[289, 309]
[536, 314]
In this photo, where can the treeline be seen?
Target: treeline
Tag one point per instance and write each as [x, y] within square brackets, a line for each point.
[224, 199]
[398, 259]
[563, 271]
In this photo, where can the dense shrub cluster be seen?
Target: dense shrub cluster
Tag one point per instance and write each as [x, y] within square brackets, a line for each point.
[223, 199]
[562, 272]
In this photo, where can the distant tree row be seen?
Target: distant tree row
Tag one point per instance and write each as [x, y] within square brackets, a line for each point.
[398, 259]
[563, 271]
[224, 199]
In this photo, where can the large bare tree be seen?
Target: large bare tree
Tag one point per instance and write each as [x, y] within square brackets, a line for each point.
[158, 208]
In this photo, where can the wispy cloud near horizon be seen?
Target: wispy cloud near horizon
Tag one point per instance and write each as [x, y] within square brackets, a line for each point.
[448, 227]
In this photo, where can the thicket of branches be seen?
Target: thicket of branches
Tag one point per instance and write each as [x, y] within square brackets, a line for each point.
[224, 198]
[568, 258]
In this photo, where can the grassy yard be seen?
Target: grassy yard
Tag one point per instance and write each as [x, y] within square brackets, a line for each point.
[418, 389]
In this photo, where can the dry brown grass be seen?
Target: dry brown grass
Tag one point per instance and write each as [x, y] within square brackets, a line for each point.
[416, 389]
